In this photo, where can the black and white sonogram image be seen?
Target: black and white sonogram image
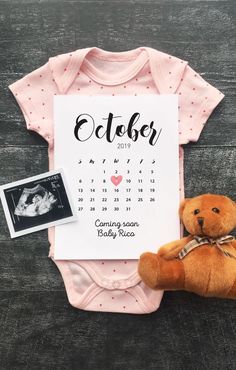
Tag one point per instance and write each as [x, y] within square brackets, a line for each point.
[39, 202]
[35, 201]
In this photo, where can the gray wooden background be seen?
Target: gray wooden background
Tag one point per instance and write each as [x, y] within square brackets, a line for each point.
[38, 327]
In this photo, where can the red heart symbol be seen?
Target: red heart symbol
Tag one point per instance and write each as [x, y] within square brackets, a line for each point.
[116, 180]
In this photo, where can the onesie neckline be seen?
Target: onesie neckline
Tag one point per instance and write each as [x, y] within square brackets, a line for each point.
[138, 57]
[166, 70]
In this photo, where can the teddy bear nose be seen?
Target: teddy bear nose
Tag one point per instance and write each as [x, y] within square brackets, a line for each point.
[200, 220]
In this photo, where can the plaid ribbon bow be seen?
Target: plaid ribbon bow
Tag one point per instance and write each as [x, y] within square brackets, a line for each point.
[198, 241]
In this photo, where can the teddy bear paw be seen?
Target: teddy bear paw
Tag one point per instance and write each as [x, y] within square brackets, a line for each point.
[148, 269]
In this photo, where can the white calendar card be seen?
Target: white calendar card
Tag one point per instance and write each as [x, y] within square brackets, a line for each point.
[121, 159]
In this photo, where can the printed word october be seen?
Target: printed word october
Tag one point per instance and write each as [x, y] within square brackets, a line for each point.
[85, 127]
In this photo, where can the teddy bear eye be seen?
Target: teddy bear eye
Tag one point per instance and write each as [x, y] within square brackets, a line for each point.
[196, 211]
[216, 210]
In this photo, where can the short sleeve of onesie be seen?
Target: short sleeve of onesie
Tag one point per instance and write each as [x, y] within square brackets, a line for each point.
[197, 100]
[34, 94]
[35, 91]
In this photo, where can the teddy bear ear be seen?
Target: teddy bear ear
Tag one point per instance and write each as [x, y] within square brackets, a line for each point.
[182, 206]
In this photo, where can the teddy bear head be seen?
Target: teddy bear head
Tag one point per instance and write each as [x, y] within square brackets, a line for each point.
[209, 215]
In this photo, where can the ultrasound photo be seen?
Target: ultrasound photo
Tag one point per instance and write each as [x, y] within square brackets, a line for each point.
[36, 203]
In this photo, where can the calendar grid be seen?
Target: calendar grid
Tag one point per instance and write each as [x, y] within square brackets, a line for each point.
[115, 184]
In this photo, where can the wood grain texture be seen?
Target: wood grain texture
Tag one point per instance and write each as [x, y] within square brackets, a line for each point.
[38, 327]
[42, 331]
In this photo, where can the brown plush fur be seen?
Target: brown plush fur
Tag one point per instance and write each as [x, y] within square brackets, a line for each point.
[205, 270]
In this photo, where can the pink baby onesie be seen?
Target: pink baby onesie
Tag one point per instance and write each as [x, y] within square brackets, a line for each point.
[113, 285]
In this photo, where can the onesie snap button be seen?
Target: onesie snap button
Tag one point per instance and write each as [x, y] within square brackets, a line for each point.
[116, 284]
[105, 282]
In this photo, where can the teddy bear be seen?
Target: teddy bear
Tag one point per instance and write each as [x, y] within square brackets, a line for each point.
[204, 262]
